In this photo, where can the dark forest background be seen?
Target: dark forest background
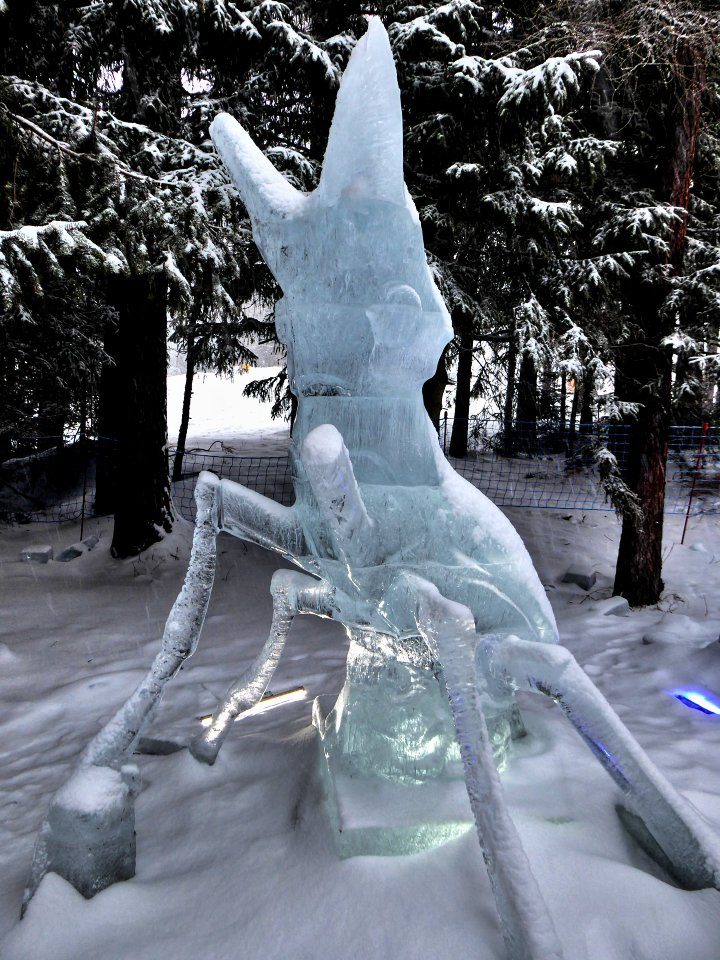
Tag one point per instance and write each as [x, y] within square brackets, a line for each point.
[564, 158]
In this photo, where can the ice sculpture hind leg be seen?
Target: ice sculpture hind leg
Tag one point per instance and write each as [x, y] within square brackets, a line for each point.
[292, 593]
[88, 835]
[662, 821]
[449, 630]
[402, 547]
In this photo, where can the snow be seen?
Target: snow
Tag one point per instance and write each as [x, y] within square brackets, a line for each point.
[323, 446]
[218, 406]
[261, 806]
[80, 636]
[92, 790]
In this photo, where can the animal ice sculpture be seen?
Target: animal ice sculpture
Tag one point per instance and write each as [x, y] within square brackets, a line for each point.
[446, 615]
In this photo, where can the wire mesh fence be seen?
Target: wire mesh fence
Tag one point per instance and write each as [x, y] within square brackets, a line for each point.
[268, 475]
[50, 478]
[548, 465]
[542, 465]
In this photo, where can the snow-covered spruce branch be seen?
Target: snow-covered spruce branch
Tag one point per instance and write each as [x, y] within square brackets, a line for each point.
[82, 121]
[303, 48]
[29, 232]
[65, 148]
[625, 501]
[554, 80]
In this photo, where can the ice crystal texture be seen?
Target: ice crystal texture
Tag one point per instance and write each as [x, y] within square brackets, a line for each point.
[364, 325]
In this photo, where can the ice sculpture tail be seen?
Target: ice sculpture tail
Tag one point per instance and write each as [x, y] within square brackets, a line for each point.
[664, 824]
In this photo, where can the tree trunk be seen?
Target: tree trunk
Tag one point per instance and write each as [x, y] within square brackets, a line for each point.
[574, 405]
[526, 416]
[647, 366]
[617, 431]
[586, 402]
[185, 416]
[143, 508]
[110, 418]
[51, 426]
[461, 421]
[638, 575]
[83, 415]
[434, 390]
[563, 404]
[587, 398]
[508, 439]
[546, 396]
[710, 381]
[688, 406]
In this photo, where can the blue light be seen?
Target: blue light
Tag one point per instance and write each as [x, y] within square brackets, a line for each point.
[698, 700]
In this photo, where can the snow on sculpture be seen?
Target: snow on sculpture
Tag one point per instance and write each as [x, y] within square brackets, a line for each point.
[446, 615]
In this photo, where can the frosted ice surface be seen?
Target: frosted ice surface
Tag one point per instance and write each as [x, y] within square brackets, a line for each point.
[366, 128]
[364, 325]
[92, 788]
[88, 835]
[38, 554]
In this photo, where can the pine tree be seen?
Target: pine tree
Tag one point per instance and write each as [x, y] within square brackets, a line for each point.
[480, 118]
[147, 223]
[651, 241]
[495, 155]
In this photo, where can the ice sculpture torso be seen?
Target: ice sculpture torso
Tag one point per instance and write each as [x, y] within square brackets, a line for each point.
[364, 325]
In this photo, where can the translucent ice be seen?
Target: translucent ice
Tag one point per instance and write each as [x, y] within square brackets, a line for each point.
[364, 324]
[429, 577]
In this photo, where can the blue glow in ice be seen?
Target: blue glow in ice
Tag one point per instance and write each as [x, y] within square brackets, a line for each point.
[698, 700]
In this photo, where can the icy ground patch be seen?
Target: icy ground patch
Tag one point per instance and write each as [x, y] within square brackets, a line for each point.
[236, 858]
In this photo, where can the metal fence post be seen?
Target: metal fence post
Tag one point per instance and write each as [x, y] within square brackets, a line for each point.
[698, 462]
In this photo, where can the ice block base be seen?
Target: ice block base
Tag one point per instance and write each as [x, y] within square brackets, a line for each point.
[373, 816]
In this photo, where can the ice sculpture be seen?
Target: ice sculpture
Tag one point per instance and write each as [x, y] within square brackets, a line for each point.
[446, 615]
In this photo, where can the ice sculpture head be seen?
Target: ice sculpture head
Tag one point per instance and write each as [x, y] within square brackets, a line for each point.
[361, 314]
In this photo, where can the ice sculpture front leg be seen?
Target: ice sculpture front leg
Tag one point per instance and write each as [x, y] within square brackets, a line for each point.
[88, 835]
[249, 515]
[667, 827]
[292, 593]
[449, 630]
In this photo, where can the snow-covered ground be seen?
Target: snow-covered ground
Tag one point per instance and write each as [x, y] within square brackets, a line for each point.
[237, 860]
[219, 411]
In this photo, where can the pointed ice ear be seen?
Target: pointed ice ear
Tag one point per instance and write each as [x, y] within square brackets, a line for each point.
[264, 190]
[364, 156]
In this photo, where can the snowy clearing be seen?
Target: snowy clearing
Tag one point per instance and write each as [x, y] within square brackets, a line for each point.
[218, 406]
[238, 857]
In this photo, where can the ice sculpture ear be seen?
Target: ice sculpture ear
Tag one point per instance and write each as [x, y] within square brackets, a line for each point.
[364, 155]
[264, 190]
